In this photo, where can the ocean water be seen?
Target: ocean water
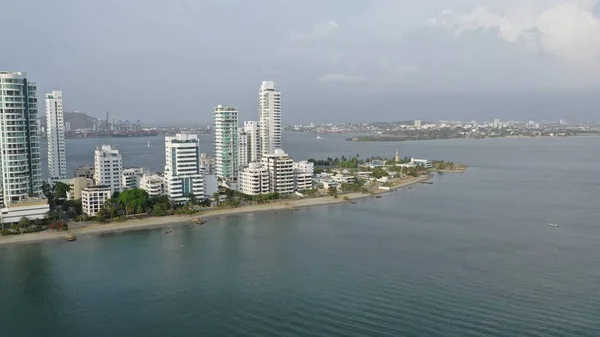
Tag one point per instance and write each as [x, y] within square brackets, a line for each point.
[470, 255]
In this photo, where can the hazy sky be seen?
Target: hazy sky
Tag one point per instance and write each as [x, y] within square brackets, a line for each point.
[169, 61]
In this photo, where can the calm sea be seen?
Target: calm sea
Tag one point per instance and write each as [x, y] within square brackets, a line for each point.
[470, 255]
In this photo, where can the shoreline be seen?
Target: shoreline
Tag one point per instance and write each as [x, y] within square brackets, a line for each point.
[159, 222]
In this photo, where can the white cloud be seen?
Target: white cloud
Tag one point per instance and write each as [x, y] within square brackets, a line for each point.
[568, 30]
[336, 77]
[319, 31]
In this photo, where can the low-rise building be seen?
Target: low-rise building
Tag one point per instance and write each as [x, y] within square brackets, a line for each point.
[281, 171]
[426, 163]
[153, 184]
[77, 185]
[132, 177]
[254, 179]
[85, 171]
[303, 174]
[93, 197]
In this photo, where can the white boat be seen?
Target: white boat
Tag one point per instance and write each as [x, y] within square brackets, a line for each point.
[319, 137]
[167, 231]
[148, 143]
[552, 224]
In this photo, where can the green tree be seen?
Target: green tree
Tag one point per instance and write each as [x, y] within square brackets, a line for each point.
[216, 197]
[192, 199]
[133, 199]
[24, 222]
[61, 189]
[332, 191]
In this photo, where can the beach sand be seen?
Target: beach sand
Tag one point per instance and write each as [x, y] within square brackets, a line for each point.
[157, 222]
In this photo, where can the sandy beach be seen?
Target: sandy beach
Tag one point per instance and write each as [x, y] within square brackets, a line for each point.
[157, 222]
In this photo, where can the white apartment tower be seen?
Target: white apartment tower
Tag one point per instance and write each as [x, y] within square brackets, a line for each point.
[182, 169]
[281, 171]
[249, 140]
[252, 129]
[55, 131]
[20, 164]
[243, 149]
[226, 144]
[269, 102]
[108, 168]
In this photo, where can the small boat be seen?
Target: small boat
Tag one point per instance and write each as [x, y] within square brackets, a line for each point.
[148, 143]
[167, 231]
[70, 237]
[198, 221]
[319, 137]
[377, 197]
[553, 224]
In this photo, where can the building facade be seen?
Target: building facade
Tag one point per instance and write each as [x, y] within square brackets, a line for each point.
[303, 175]
[77, 185]
[281, 171]
[243, 149]
[225, 132]
[108, 168]
[85, 171]
[182, 170]
[153, 184]
[252, 129]
[20, 164]
[55, 135]
[254, 179]
[132, 177]
[269, 101]
[93, 197]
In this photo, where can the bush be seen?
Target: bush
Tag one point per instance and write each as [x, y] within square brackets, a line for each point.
[8, 232]
[58, 225]
[34, 229]
[346, 198]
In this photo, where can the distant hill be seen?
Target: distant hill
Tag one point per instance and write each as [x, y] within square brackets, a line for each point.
[78, 120]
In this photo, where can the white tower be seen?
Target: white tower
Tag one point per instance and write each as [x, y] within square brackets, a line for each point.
[108, 168]
[249, 143]
[270, 117]
[20, 164]
[55, 131]
[182, 168]
[226, 144]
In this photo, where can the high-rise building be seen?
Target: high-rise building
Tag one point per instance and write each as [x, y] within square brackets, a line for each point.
[269, 102]
[281, 171]
[225, 132]
[249, 140]
[243, 149]
[253, 131]
[108, 168]
[417, 124]
[20, 164]
[496, 124]
[182, 168]
[55, 134]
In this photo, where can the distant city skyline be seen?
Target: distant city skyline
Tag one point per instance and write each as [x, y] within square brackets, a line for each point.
[468, 59]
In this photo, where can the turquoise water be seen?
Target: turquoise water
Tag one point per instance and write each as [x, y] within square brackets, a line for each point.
[470, 255]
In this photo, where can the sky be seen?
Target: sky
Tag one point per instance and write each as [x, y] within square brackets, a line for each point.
[170, 62]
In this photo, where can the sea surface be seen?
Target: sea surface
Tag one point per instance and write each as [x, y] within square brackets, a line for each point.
[470, 255]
